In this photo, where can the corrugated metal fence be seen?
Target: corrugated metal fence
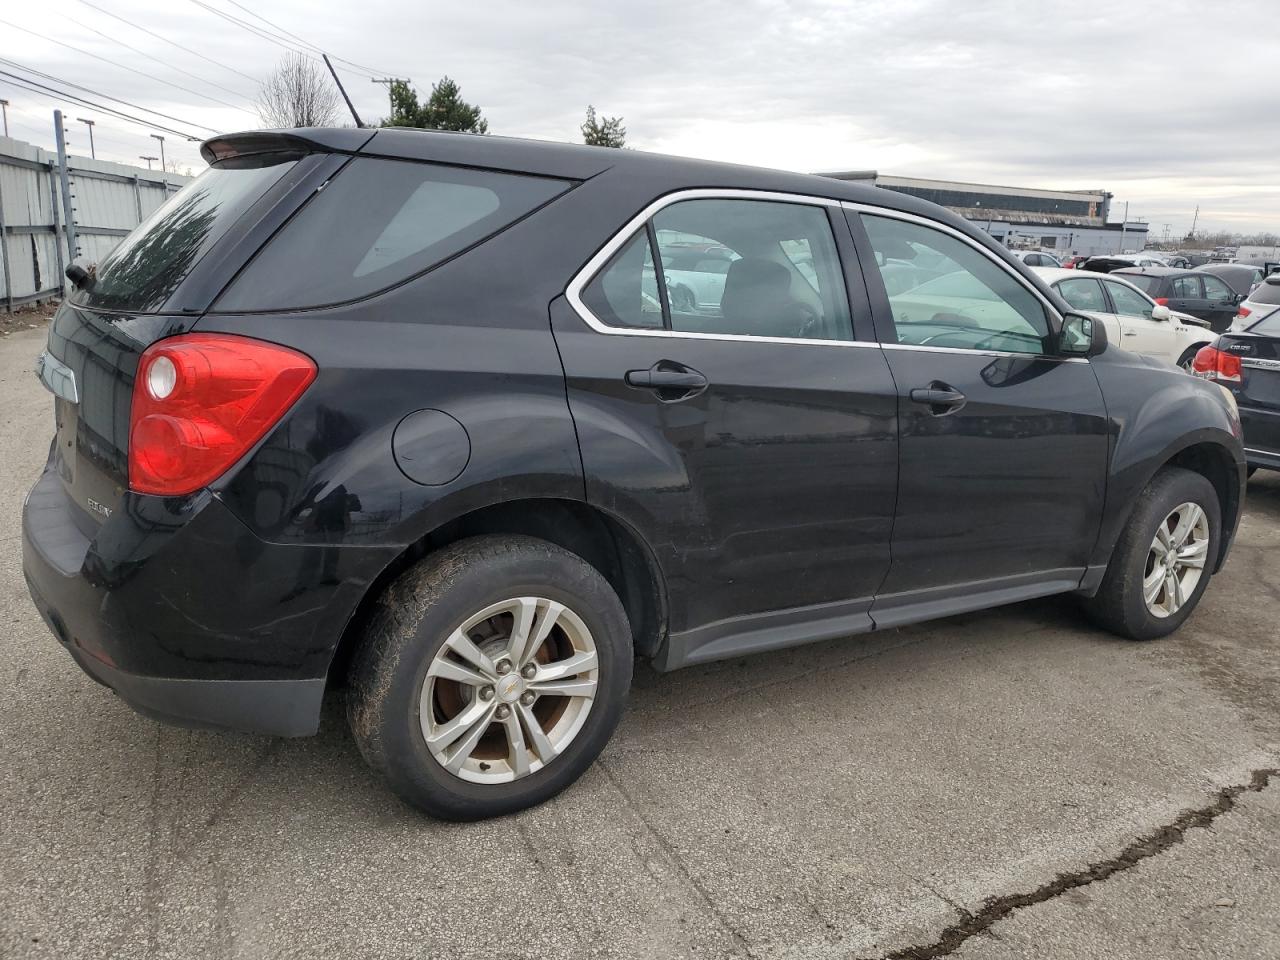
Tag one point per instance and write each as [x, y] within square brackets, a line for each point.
[107, 201]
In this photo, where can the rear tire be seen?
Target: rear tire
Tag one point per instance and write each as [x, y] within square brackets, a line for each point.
[1145, 559]
[541, 612]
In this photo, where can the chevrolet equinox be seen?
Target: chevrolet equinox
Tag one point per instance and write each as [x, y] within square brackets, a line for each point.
[466, 425]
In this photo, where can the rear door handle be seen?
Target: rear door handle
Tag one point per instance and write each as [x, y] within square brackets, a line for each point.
[671, 381]
[940, 398]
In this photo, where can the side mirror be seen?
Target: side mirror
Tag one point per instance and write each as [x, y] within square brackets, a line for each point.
[1161, 312]
[1081, 336]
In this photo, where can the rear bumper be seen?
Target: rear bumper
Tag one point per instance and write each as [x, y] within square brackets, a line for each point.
[1261, 436]
[187, 615]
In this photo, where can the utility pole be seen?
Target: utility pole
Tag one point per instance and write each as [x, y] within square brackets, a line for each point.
[4, 109]
[148, 159]
[156, 136]
[92, 153]
[1124, 226]
[1193, 221]
[389, 81]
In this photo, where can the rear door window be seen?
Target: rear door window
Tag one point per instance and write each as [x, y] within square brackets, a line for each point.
[1266, 292]
[377, 224]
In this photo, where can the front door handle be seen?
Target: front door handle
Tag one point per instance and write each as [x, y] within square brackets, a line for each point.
[940, 398]
[671, 381]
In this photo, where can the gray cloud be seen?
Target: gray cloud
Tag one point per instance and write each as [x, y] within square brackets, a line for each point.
[1151, 100]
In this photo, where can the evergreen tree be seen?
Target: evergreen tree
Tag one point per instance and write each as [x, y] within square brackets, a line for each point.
[603, 131]
[444, 110]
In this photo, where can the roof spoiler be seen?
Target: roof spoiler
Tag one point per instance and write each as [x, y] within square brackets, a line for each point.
[305, 140]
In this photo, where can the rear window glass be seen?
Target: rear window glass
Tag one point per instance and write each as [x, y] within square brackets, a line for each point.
[1266, 292]
[144, 270]
[378, 223]
[1144, 283]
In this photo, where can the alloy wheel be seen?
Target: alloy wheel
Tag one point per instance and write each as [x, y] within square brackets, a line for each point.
[1176, 560]
[509, 690]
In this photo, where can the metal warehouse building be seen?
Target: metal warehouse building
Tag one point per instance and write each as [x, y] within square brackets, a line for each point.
[1061, 221]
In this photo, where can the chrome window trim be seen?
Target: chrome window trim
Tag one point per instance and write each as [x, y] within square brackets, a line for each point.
[573, 292]
[1268, 453]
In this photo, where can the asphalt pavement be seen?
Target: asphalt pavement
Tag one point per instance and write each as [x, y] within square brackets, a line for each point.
[1004, 784]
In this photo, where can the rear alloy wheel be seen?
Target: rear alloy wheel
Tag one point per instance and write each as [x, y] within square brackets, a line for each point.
[509, 690]
[1164, 558]
[492, 675]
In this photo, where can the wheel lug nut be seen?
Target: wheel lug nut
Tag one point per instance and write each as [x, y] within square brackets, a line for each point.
[486, 693]
[529, 672]
[503, 712]
[528, 697]
[503, 667]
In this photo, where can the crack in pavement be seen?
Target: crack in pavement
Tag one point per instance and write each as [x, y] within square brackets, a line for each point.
[1148, 845]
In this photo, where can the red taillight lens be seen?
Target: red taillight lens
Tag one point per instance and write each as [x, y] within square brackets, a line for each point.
[200, 401]
[1163, 301]
[1243, 312]
[1214, 364]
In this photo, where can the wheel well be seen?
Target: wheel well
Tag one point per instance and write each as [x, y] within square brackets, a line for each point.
[609, 545]
[1214, 463]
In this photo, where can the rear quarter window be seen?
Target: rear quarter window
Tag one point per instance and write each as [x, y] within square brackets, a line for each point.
[1144, 283]
[377, 224]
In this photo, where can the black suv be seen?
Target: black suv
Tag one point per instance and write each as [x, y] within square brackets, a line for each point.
[1188, 291]
[417, 413]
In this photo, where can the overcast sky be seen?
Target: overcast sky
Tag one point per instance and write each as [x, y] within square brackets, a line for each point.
[1167, 104]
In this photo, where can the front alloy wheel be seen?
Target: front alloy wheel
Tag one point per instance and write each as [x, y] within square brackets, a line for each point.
[1175, 562]
[1163, 559]
[509, 690]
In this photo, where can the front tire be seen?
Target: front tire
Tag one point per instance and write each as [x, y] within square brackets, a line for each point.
[491, 676]
[1164, 558]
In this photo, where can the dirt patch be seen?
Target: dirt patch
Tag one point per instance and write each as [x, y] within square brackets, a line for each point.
[27, 317]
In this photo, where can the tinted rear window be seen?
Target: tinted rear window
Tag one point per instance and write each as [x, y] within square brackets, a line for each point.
[144, 270]
[1266, 292]
[1144, 283]
[378, 223]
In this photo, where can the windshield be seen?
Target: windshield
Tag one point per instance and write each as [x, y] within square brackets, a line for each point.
[144, 270]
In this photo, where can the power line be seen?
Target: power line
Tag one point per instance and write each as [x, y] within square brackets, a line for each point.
[172, 43]
[256, 31]
[32, 86]
[149, 76]
[98, 93]
[163, 63]
[308, 43]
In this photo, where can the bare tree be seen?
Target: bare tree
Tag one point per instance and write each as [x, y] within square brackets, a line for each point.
[298, 93]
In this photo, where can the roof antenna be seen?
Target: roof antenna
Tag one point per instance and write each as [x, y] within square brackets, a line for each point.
[342, 89]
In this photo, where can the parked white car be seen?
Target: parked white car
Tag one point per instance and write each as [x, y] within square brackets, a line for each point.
[1262, 301]
[1133, 320]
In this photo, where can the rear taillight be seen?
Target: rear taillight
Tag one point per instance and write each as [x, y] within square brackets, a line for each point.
[1217, 365]
[1242, 313]
[1163, 301]
[200, 401]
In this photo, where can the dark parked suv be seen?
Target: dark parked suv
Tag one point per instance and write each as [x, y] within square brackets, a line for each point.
[416, 413]
[1187, 291]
